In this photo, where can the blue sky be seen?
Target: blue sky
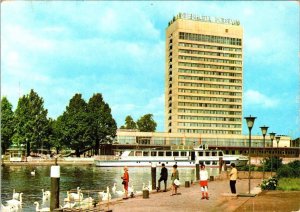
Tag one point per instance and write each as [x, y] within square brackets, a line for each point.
[116, 48]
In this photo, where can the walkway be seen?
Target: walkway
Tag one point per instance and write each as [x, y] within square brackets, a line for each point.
[189, 200]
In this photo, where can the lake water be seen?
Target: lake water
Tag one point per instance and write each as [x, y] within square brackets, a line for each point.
[88, 178]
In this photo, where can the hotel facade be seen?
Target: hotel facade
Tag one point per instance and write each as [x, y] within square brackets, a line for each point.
[203, 91]
[204, 75]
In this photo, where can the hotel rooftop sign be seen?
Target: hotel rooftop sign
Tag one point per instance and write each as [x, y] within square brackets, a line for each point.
[193, 17]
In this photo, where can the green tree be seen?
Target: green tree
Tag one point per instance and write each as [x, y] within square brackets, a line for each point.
[101, 125]
[31, 123]
[7, 125]
[146, 123]
[73, 125]
[56, 134]
[129, 123]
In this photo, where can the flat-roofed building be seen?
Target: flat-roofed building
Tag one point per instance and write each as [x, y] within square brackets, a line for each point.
[204, 73]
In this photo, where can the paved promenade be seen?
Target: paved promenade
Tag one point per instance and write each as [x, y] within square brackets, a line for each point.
[190, 199]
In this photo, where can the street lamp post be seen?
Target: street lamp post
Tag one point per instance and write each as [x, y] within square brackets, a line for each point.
[250, 122]
[264, 130]
[277, 140]
[272, 136]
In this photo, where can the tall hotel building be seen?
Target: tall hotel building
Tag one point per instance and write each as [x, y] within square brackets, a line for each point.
[204, 75]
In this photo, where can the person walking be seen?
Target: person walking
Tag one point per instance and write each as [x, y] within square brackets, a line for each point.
[203, 182]
[233, 177]
[175, 179]
[125, 181]
[163, 177]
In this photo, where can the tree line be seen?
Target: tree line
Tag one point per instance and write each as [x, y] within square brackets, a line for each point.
[82, 126]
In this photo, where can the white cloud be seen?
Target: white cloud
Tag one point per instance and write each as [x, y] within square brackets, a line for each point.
[252, 97]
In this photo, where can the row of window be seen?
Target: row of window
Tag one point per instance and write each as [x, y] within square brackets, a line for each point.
[192, 104]
[212, 60]
[216, 99]
[191, 71]
[208, 118]
[211, 79]
[181, 90]
[189, 84]
[192, 124]
[188, 51]
[209, 66]
[224, 112]
[235, 132]
[210, 38]
[202, 46]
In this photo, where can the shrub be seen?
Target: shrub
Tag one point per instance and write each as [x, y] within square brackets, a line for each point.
[246, 168]
[285, 171]
[269, 184]
[271, 163]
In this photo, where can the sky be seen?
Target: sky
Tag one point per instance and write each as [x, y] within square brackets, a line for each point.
[59, 48]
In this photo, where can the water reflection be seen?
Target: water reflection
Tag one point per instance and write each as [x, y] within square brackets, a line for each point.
[88, 178]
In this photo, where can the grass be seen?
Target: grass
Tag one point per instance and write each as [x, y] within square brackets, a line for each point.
[289, 184]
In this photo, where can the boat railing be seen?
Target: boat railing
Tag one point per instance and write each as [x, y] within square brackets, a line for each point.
[107, 157]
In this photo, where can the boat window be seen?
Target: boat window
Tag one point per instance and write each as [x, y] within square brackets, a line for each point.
[168, 153]
[183, 154]
[227, 162]
[200, 153]
[207, 162]
[175, 153]
[145, 153]
[214, 154]
[131, 153]
[220, 153]
[206, 153]
[138, 153]
[161, 154]
[214, 163]
[153, 153]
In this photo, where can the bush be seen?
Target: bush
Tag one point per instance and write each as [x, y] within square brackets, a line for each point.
[271, 163]
[285, 171]
[269, 184]
[290, 170]
[246, 168]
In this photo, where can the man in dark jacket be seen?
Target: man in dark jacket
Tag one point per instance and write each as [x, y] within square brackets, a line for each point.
[163, 177]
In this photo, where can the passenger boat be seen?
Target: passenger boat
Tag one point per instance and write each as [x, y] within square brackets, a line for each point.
[182, 158]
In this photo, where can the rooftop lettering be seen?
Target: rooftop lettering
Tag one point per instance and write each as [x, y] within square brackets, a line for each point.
[202, 18]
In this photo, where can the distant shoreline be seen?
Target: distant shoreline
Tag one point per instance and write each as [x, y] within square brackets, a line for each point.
[47, 162]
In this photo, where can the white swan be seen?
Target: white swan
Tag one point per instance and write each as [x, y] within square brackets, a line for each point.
[107, 195]
[15, 195]
[150, 186]
[113, 189]
[14, 202]
[9, 208]
[69, 205]
[100, 194]
[67, 199]
[120, 193]
[144, 187]
[77, 196]
[131, 189]
[42, 209]
[46, 195]
[32, 173]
